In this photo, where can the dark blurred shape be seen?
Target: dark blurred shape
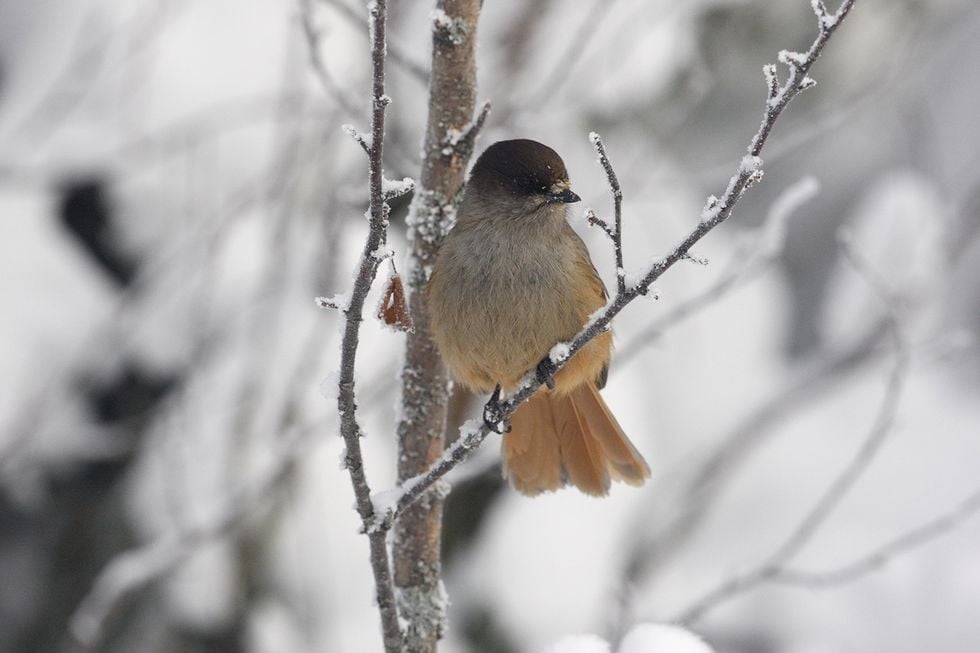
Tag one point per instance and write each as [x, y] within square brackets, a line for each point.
[467, 505]
[482, 632]
[130, 395]
[85, 523]
[465, 510]
[85, 210]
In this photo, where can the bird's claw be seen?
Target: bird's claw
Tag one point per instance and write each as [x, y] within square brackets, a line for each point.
[545, 372]
[493, 414]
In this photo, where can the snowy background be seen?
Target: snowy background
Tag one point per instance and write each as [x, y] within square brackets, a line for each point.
[175, 189]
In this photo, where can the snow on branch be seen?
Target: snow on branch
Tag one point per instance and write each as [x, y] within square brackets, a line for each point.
[748, 172]
[358, 137]
[394, 188]
[774, 566]
[451, 28]
[336, 303]
[462, 142]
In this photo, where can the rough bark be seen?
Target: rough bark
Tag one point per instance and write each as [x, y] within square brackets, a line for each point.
[425, 386]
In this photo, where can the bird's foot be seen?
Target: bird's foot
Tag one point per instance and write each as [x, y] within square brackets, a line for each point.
[493, 413]
[545, 372]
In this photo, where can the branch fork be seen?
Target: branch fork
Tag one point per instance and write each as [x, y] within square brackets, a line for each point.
[615, 232]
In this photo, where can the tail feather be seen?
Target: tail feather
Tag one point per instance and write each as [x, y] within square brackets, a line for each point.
[625, 462]
[582, 459]
[557, 439]
[533, 464]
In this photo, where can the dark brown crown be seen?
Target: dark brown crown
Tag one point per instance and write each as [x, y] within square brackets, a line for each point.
[522, 166]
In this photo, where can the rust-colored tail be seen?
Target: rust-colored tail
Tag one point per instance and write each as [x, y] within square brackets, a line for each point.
[557, 439]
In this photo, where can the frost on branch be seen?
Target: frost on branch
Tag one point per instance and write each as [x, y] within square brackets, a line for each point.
[772, 82]
[750, 164]
[827, 19]
[453, 137]
[338, 302]
[420, 610]
[393, 188]
[451, 29]
[359, 138]
[431, 216]
[712, 208]
[461, 142]
[792, 59]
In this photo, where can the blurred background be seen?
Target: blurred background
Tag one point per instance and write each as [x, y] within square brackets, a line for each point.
[175, 189]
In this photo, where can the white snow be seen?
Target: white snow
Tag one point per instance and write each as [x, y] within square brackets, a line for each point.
[750, 164]
[559, 352]
[791, 58]
[644, 638]
[330, 385]
[711, 209]
[807, 82]
[397, 187]
[579, 644]
[381, 253]
[386, 500]
[339, 301]
[662, 638]
[357, 135]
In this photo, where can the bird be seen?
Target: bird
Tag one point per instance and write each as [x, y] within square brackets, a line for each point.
[511, 280]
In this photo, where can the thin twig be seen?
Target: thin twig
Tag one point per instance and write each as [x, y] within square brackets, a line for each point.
[707, 482]
[134, 569]
[367, 269]
[716, 211]
[396, 52]
[831, 499]
[312, 36]
[462, 142]
[749, 266]
[616, 231]
[577, 45]
[870, 562]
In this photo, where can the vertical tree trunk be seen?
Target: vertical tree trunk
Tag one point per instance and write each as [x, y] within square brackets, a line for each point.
[452, 96]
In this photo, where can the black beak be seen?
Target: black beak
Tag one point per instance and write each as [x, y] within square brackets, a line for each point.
[565, 197]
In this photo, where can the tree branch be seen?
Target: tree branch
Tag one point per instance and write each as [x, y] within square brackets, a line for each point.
[312, 36]
[450, 136]
[367, 269]
[134, 569]
[904, 543]
[396, 52]
[830, 500]
[616, 231]
[748, 266]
